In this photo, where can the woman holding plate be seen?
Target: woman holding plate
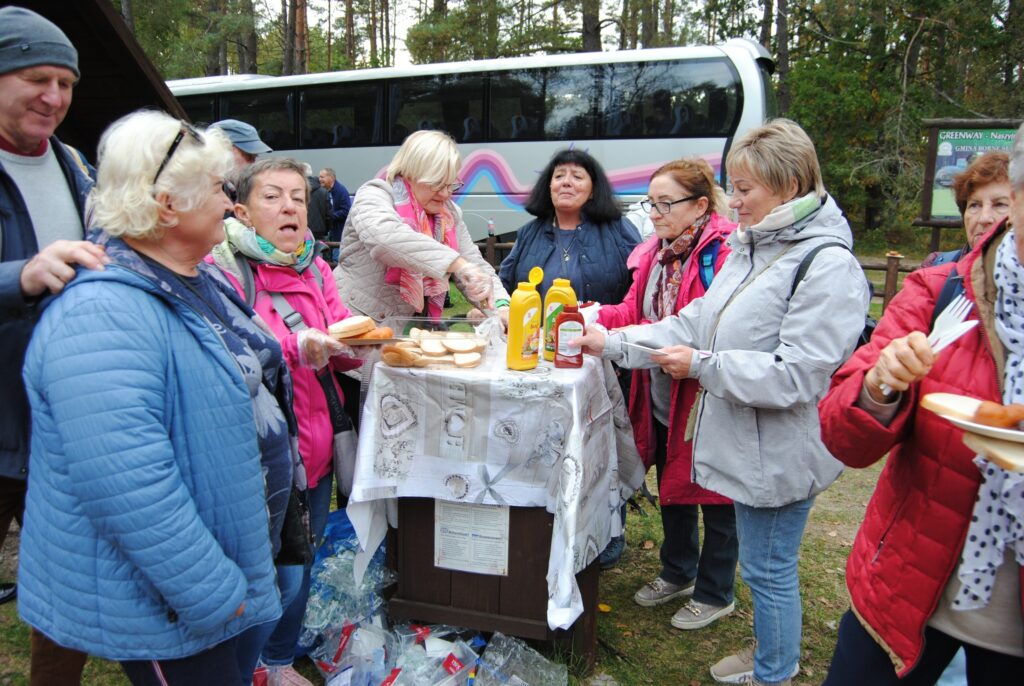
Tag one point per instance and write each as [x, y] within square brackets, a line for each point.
[270, 247]
[936, 564]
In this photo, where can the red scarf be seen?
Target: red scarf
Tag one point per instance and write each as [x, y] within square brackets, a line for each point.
[672, 258]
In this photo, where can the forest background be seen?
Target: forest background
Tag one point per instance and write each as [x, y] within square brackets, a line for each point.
[860, 76]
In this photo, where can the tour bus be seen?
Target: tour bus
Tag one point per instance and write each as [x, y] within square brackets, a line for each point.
[633, 110]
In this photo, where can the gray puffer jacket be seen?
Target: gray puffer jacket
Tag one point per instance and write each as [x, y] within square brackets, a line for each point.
[375, 239]
[767, 359]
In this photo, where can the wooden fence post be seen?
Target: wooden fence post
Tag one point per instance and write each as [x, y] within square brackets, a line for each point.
[491, 240]
[892, 275]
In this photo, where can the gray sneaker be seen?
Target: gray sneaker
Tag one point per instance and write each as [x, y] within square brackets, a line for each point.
[659, 592]
[696, 615]
[739, 668]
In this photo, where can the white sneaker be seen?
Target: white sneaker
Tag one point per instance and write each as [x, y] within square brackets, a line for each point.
[739, 668]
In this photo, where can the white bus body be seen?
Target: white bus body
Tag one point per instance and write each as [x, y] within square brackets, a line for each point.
[632, 110]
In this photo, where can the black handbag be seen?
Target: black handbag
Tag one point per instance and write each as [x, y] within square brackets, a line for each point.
[296, 532]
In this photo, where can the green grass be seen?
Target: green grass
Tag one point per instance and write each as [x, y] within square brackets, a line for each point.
[636, 645]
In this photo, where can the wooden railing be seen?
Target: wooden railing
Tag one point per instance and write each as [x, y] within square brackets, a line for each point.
[893, 264]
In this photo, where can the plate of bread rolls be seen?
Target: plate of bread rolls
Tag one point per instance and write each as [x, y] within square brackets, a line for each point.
[982, 417]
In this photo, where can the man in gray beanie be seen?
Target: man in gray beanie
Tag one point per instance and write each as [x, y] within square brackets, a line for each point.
[43, 185]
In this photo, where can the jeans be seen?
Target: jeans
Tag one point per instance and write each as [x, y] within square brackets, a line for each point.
[769, 551]
[858, 659]
[252, 640]
[334, 236]
[682, 557]
[215, 666]
[280, 647]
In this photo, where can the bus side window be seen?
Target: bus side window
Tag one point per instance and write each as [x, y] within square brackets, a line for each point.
[339, 115]
[443, 103]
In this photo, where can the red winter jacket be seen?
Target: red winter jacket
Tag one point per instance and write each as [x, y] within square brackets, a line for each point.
[913, 531]
[677, 487]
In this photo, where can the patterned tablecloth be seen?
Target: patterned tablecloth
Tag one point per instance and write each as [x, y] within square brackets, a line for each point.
[553, 438]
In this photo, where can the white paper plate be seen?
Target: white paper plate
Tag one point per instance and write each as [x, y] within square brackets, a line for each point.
[993, 431]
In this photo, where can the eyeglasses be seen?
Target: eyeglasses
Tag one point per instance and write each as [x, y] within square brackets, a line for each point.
[452, 188]
[185, 128]
[664, 206]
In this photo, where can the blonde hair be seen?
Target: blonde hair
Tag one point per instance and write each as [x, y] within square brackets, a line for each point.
[778, 153]
[123, 202]
[696, 175]
[428, 157]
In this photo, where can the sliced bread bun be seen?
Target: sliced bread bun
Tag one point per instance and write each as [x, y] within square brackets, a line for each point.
[433, 346]
[351, 326]
[959, 406]
[396, 356]
[467, 359]
[460, 345]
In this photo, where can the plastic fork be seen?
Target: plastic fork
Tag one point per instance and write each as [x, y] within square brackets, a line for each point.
[949, 326]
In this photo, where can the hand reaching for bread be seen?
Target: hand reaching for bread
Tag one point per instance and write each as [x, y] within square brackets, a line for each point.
[317, 348]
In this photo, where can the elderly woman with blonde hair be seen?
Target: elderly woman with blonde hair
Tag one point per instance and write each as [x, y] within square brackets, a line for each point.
[762, 346]
[161, 421]
[405, 238]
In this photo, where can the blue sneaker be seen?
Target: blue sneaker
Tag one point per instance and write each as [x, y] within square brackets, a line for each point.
[609, 557]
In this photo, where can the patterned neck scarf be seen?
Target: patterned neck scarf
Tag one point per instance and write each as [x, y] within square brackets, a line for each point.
[672, 258]
[414, 285]
[245, 240]
[998, 520]
[786, 214]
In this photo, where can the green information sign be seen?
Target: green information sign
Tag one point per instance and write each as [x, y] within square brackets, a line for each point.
[957, 148]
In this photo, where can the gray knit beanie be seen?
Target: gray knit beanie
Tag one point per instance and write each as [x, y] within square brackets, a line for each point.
[29, 40]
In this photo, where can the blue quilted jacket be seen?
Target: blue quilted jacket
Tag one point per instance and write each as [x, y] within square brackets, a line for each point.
[146, 519]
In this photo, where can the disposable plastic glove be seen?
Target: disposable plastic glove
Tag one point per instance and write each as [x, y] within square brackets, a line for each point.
[475, 284]
[317, 348]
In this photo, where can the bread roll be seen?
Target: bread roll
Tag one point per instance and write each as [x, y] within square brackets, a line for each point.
[351, 326]
[467, 359]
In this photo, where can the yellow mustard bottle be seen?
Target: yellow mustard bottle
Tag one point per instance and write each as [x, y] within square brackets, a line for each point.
[524, 323]
[558, 296]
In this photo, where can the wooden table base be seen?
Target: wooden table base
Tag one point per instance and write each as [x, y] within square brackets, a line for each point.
[515, 605]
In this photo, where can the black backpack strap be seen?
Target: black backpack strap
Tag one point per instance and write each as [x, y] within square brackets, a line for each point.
[805, 263]
[952, 287]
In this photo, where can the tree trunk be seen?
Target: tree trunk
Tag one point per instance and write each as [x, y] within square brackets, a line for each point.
[350, 34]
[440, 8]
[128, 14]
[782, 50]
[385, 13]
[373, 34]
[766, 25]
[591, 25]
[301, 38]
[287, 37]
[649, 23]
[667, 19]
[247, 43]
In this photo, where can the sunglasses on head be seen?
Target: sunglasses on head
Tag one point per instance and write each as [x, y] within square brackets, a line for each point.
[185, 129]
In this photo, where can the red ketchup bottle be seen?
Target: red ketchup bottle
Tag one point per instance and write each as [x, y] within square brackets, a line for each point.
[568, 327]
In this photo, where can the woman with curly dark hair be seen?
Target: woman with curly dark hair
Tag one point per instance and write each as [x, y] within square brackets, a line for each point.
[578, 234]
